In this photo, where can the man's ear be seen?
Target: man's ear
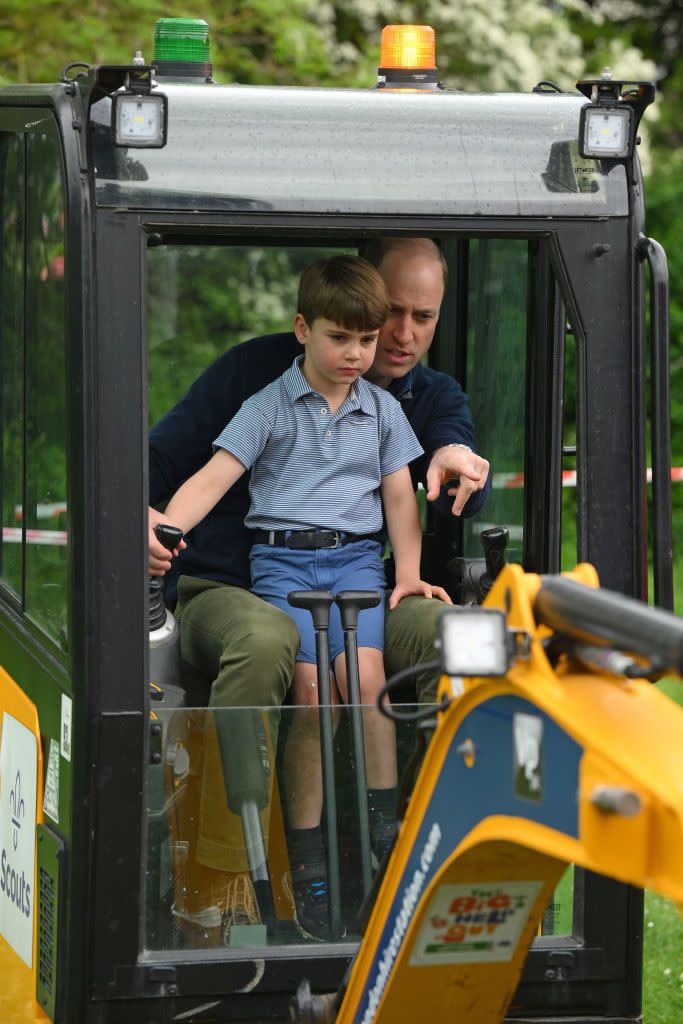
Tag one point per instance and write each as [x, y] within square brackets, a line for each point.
[301, 329]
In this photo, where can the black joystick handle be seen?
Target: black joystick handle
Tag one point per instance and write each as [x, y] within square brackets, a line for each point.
[351, 602]
[494, 542]
[169, 536]
[317, 602]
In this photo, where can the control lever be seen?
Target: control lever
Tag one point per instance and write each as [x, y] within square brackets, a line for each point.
[318, 603]
[494, 542]
[350, 604]
[169, 536]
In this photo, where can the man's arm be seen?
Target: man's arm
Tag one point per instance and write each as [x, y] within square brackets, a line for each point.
[403, 525]
[194, 500]
[441, 419]
[180, 443]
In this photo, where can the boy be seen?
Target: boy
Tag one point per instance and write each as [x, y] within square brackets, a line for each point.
[326, 449]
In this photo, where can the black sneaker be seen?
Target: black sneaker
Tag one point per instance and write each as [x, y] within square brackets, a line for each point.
[312, 907]
[380, 852]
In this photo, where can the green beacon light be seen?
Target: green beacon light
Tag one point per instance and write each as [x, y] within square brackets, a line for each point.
[181, 50]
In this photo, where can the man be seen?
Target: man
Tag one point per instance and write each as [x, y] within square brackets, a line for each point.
[234, 644]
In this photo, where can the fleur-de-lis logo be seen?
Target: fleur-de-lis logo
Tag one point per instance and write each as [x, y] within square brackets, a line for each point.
[16, 809]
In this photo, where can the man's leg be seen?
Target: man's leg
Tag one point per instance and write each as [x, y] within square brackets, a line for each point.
[247, 648]
[409, 634]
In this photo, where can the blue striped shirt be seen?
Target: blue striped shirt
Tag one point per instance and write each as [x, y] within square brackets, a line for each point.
[310, 468]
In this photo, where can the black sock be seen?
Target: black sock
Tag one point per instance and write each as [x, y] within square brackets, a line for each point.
[306, 853]
[382, 814]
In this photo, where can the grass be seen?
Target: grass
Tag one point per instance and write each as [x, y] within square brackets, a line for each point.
[663, 939]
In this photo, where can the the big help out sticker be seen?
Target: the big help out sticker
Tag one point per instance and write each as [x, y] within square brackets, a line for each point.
[18, 781]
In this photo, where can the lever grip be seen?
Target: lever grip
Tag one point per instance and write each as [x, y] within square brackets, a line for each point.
[351, 602]
[317, 602]
[494, 542]
[169, 536]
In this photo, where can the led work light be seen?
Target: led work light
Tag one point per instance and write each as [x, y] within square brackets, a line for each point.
[473, 642]
[608, 123]
[139, 116]
[139, 120]
[606, 132]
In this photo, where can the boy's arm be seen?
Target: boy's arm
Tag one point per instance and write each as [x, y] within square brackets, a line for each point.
[403, 525]
[198, 495]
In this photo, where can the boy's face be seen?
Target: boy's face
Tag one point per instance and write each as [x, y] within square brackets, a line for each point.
[335, 355]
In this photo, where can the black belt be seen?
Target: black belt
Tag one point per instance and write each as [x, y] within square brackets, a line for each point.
[308, 540]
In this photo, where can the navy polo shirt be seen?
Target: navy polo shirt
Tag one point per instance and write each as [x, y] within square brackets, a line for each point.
[311, 468]
[180, 444]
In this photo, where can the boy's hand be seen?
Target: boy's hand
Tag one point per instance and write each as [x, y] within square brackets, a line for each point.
[159, 556]
[404, 588]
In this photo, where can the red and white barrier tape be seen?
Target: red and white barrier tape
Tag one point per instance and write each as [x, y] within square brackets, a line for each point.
[504, 481]
[515, 480]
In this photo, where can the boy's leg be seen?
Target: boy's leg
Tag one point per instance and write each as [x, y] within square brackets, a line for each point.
[247, 649]
[409, 634]
[301, 761]
[275, 572]
[303, 780]
[379, 741]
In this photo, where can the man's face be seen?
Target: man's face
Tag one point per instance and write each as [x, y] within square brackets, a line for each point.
[415, 286]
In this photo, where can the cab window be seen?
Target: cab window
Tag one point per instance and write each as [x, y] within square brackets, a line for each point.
[33, 354]
[12, 361]
[495, 382]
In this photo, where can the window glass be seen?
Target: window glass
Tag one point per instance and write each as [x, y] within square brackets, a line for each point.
[203, 300]
[211, 804]
[496, 382]
[12, 359]
[46, 478]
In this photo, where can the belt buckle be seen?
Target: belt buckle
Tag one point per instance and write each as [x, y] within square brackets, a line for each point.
[321, 538]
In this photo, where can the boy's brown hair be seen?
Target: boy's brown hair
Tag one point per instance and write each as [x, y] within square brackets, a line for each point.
[344, 289]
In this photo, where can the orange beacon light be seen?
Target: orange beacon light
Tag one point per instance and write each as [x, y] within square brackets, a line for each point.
[408, 58]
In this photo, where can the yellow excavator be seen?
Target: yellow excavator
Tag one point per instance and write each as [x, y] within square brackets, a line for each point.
[551, 747]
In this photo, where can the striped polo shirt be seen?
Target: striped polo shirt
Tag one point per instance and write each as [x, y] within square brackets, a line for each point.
[311, 469]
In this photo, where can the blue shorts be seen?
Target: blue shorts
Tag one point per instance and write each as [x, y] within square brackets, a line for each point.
[275, 571]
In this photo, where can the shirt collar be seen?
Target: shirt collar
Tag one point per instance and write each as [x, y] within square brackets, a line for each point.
[297, 387]
[402, 387]
[295, 383]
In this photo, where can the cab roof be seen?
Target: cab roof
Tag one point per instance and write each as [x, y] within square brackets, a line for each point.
[347, 151]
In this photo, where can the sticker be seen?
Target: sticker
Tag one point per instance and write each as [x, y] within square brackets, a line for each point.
[51, 797]
[65, 731]
[474, 923]
[528, 756]
[18, 785]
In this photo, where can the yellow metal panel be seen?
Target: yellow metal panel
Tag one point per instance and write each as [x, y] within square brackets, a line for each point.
[17, 992]
[440, 964]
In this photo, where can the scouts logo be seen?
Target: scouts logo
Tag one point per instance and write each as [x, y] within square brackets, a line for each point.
[17, 810]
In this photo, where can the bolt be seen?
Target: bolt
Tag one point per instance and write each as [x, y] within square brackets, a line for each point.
[468, 751]
[616, 800]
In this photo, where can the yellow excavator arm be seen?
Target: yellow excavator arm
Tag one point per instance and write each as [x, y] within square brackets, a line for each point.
[559, 761]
